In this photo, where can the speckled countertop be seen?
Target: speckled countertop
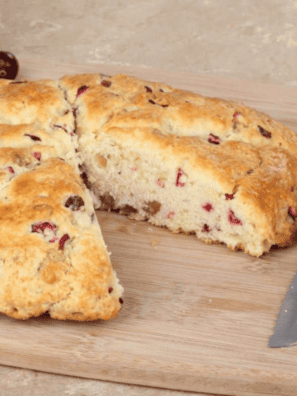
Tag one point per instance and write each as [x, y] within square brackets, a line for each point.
[250, 39]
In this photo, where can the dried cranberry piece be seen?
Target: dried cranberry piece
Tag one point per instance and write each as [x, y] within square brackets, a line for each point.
[232, 219]
[62, 241]
[208, 207]
[264, 132]
[292, 212]
[214, 139]
[152, 102]
[75, 202]
[121, 301]
[60, 126]
[160, 183]
[170, 215]
[37, 155]
[10, 169]
[40, 227]
[81, 90]
[205, 228]
[164, 105]
[180, 172]
[110, 289]
[33, 137]
[229, 196]
[148, 89]
[106, 83]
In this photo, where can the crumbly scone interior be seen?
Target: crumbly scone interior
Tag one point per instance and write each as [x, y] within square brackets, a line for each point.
[192, 164]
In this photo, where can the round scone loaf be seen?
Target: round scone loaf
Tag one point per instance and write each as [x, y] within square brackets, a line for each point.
[190, 163]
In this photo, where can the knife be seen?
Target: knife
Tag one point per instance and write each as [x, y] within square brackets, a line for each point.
[285, 330]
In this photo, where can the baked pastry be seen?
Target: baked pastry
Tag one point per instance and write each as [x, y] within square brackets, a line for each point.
[207, 166]
[192, 164]
[52, 255]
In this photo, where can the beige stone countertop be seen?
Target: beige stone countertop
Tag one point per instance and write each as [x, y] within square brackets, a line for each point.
[247, 39]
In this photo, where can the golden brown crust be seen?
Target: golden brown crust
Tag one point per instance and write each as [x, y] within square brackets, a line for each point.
[42, 273]
[240, 149]
[52, 255]
[39, 102]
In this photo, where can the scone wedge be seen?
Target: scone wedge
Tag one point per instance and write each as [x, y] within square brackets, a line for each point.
[206, 166]
[53, 258]
[52, 255]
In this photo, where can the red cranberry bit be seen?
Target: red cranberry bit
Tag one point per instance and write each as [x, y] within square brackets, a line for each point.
[60, 126]
[292, 212]
[214, 139]
[292, 189]
[170, 215]
[152, 102]
[81, 90]
[37, 155]
[121, 301]
[232, 219]
[148, 89]
[10, 170]
[110, 289]
[180, 172]
[264, 133]
[164, 105]
[55, 239]
[235, 116]
[160, 183]
[208, 207]
[40, 227]
[33, 137]
[229, 196]
[205, 228]
[63, 240]
[106, 83]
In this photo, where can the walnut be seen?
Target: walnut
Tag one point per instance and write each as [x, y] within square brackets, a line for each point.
[152, 207]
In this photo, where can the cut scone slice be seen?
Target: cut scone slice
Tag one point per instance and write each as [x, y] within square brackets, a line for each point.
[193, 164]
[52, 255]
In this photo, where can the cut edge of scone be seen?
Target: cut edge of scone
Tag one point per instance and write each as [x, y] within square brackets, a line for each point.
[132, 145]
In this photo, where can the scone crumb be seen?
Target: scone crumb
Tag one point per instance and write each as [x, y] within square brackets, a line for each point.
[155, 242]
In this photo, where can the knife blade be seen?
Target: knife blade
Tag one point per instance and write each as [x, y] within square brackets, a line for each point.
[285, 330]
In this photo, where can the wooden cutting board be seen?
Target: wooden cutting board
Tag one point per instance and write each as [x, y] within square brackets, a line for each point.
[195, 317]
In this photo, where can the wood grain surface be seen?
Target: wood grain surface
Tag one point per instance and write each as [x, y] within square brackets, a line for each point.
[195, 317]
